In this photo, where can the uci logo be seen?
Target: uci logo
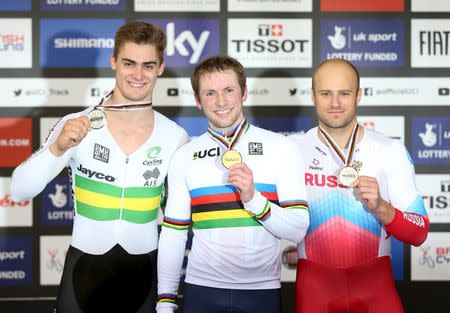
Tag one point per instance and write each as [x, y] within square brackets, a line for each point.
[153, 152]
[210, 153]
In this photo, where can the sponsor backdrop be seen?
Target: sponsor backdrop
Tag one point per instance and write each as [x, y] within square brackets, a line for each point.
[54, 59]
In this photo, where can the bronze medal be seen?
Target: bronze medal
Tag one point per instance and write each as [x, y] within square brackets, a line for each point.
[348, 175]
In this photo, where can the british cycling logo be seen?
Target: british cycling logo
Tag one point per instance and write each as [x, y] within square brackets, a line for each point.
[55, 260]
[426, 259]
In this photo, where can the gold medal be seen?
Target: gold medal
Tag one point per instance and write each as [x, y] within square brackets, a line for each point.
[230, 158]
[97, 118]
[348, 175]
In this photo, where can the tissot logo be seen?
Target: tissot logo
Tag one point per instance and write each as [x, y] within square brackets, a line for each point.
[91, 173]
[101, 153]
[206, 153]
[272, 45]
[274, 30]
[270, 42]
[445, 186]
[435, 191]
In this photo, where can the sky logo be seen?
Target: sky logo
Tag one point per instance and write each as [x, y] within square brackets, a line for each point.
[189, 40]
[79, 43]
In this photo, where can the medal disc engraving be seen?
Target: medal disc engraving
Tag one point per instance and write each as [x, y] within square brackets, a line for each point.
[348, 175]
[97, 118]
[230, 158]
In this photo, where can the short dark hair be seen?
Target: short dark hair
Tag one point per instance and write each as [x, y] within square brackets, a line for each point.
[352, 67]
[216, 64]
[140, 33]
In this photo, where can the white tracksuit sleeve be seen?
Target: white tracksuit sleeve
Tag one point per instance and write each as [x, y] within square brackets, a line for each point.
[290, 218]
[31, 177]
[172, 242]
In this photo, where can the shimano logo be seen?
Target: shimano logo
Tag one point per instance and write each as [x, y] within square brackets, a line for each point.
[98, 175]
[64, 43]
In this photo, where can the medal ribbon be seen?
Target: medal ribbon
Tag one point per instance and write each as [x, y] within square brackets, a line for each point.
[353, 138]
[123, 106]
[235, 138]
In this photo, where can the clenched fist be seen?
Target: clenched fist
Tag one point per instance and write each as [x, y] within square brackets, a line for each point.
[71, 135]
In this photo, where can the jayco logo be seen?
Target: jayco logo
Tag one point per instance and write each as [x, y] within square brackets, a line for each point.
[178, 43]
[98, 175]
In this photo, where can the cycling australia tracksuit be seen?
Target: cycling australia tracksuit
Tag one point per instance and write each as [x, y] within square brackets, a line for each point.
[111, 263]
